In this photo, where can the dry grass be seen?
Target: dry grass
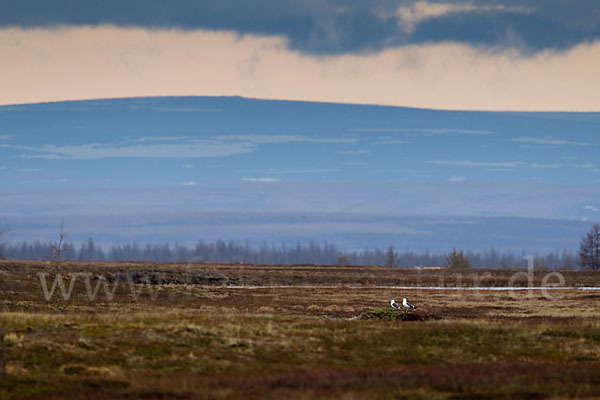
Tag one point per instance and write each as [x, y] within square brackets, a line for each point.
[204, 340]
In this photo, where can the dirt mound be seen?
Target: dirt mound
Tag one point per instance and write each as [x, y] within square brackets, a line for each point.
[393, 315]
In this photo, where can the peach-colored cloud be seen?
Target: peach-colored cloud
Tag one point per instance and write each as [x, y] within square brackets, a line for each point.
[104, 62]
[411, 14]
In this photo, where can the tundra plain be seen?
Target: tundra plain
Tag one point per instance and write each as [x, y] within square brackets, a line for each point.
[183, 331]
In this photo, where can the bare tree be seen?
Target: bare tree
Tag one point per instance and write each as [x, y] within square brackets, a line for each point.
[2, 242]
[391, 258]
[58, 251]
[589, 248]
[457, 260]
[341, 259]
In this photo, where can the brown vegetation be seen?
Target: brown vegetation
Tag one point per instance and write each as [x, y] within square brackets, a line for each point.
[193, 337]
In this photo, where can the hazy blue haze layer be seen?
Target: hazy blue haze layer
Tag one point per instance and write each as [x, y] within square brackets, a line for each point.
[183, 169]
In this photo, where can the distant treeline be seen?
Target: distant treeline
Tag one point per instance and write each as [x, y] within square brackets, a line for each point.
[311, 253]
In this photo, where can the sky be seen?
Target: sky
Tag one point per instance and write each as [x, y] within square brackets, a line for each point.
[301, 119]
[539, 55]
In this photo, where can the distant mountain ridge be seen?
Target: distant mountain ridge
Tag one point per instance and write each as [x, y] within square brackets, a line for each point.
[357, 175]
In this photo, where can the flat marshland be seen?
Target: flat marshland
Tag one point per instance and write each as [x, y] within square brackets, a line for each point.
[187, 331]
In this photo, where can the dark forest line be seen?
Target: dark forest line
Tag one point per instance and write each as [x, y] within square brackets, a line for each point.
[310, 253]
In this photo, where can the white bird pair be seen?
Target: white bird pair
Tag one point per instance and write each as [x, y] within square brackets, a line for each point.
[405, 304]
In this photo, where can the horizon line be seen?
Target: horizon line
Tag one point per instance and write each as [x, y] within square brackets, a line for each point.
[292, 100]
